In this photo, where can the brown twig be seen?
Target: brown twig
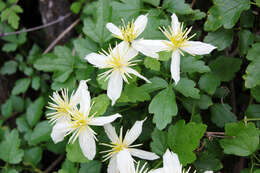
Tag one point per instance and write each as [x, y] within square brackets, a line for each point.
[37, 27]
[61, 36]
[215, 134]
[192, 3]
[57, 161]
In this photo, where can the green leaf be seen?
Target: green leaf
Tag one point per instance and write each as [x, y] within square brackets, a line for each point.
[34, 111]
[221, 115]
[183, 139]
[159, 141]
[9, 67]
[222, 38]
[7, 108]
[164, 107]
[165, 56]
[205, 102]
[247, 19]
[253, 111]
[96, 30]
[93, 166]
[75, 7]
[253, 52]
[41, 133]
[62, 76]
[225, 68]
[209, 83]
[135, 94]
[36, 82]
[152, 64]
[156, 84]
[21, 86]
[255, 92]
[100, 105]
[33, 155]
[191, 65]
[22, 125]
[155, 3]
[243, 139]
[84, 46]
[245, 39]
[177, 6]
[187, 88]
[225, 13]
[74, 153]
[127, 9]
[69, 166]
[9, 47]
[18, 103]
[9, 148]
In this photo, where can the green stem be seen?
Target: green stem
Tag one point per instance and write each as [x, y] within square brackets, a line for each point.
[158, 164]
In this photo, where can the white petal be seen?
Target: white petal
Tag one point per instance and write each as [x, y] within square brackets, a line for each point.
[208, 172]
[175, 24]
[140, 24]
[198, 48]
[114, 29]
[114, 87]
[85, 101]
[59, 130]
[143, 154]
[87, 144]
[100, 121]
[171, 162]
[125, 162]
[175, 66]
[130, 54]
[149, 47]
[132, 71]
[134, 132]
[111, 132]
[159, 170]
[96, 60]
[112, 166]
[121, 49]
[76, 97]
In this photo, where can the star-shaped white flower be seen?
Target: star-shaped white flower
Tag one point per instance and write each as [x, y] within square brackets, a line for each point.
[80, 124]
[179, 42]
[171, 164]
[119, 144]
[119, 62]
[129, 34]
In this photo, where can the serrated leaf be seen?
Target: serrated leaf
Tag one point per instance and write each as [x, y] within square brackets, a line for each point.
[191, 65]
[135, 94]
[221, 114]
[156, 84]
[41, 133]
[22, 125]
[33, 155]
[127, 9]
[205, 102]
[225, 68]
[152, 64]
[9, 47]
[209, 83]
[9, 147]
[21, 86]
[9, 67]
[34, 111]
[100, 105]
[183, 139]
[222, 38]
[159, 141]
[245, 39]
[93, 166]
[18, 103]
[36, 82]
[243, 139]
[74, 153]
[187, 88]
[164, 107]
[177, 6]
[84, 46]
[7, 108]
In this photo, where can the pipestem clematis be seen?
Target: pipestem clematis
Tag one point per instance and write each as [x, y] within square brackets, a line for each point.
[119, 144]
[119, 62]
[129, 34]
[179, 43]
[80, 122]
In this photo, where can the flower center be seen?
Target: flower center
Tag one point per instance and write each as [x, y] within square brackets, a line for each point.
[119, 147]
[128, 31]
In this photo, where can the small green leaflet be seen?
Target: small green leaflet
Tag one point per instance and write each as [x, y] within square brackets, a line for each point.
[187, 88]
[74, 153]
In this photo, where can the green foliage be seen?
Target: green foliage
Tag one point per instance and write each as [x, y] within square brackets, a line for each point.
[187, 88]
[74, 153]
[93, 166]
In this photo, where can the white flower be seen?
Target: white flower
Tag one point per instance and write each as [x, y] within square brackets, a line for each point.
[208, 172]
[80, 124]
[119, 62]
[119, 144]
[178, 42]
[129, 33]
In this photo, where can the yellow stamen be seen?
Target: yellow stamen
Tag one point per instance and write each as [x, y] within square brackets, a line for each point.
[128, 31]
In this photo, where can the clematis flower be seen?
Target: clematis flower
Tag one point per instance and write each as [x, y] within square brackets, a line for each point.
[80, 124]
[179, 43]
[119, 62]
[62, 107]
[129, 34]
[118, 144]
[171, 163]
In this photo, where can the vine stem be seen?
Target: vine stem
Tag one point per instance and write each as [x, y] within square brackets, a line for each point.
[57, 161]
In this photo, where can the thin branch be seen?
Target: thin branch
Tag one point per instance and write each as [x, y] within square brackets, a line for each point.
[192, 3]
[61, 18]
[61, 36]
[55, 163]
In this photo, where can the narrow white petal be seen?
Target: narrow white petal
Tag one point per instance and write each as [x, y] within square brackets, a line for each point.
[140, 24]
[114, 87]
[59, 130]
[175, 23]
[134, 132]
[87, 144]
[171, 162]
[100, 121]
[159, 170]
[111, 132]
[114, 29]
[112, 166]
[149, 47]
[96, 60]
[85, 101]
[208, 172]
[175, 66]
[132, 71]
[76, 97]
[130, 54]
[125, 162]
[198, 48]
[143, 154]
[121, 49]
